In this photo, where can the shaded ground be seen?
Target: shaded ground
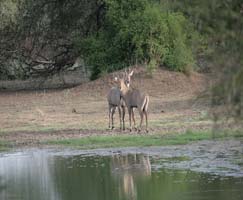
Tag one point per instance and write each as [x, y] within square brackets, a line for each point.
[29, 117]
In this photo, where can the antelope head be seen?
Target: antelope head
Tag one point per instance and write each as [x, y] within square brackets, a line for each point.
[127, 78]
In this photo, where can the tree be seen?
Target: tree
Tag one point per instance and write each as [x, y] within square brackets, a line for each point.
[42, 40]
[139, 31]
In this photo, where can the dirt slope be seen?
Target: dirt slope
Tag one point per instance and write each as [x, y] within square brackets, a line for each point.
[162, 83]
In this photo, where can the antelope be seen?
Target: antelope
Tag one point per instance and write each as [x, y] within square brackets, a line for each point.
[133, 98]
[114, 100]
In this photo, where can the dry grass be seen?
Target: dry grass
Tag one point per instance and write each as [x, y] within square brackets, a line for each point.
[173, 107]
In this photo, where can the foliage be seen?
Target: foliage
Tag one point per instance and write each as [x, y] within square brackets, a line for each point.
[8, 9]
[39, 34]
[179, 56]
[46, 37]
[221, 24]
[139, 31]
[229, 61]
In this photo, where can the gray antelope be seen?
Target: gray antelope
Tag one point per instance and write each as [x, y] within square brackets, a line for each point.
[133, 98]
[115, 101]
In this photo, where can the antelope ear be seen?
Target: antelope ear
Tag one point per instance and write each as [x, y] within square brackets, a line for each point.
[131, 73]
[125, 73]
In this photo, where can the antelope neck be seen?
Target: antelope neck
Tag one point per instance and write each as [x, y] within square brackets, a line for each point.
[124, 88]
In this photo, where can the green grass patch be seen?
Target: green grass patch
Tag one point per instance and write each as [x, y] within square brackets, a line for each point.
[34, 128]
[92, 142]
[4, 146]
[52, 127]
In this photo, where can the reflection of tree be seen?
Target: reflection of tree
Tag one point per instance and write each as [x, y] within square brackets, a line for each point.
[1, 185]
[83, 177]
[126, 169]
[26, 176]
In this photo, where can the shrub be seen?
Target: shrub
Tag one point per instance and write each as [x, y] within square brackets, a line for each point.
[139, 31]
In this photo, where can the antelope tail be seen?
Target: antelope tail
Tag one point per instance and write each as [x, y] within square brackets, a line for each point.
[145, 103]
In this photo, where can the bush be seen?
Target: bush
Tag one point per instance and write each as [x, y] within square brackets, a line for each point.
[138, 31]
[179, 57]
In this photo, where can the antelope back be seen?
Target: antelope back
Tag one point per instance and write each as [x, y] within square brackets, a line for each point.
[114, 96]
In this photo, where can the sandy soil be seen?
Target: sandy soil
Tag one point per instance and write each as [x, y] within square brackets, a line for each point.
[29, 117]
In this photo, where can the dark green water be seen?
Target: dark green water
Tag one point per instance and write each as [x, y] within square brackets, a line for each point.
[44, 175]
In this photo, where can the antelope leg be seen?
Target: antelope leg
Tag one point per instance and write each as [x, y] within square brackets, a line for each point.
[130, 121]
[134, 123]
[119, 110]
[123, 116]
[112, 116]
[146, 118]
[141, 121]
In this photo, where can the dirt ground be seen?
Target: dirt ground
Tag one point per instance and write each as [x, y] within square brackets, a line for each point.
[29, 117]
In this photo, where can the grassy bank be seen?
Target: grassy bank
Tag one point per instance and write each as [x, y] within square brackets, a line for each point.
[4, 146]
[93, 142]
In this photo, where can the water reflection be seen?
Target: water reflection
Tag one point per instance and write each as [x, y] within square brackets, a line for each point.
[43, 174]
[26, 175]
[125, 169]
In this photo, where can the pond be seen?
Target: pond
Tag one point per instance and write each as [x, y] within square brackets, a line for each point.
[114, 174]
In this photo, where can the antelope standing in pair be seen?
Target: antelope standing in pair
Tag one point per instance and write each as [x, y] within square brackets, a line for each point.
[132, 98]
[115, 101]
